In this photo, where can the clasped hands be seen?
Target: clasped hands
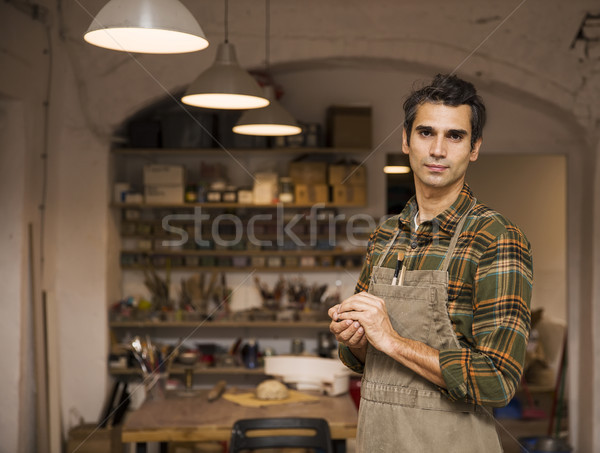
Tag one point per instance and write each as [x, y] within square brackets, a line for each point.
[360, 319]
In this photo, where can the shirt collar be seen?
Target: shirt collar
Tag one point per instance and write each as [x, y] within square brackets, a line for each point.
[448, 219]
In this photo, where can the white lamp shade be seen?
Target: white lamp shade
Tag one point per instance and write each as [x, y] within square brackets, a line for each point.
[146, 26]
[272, 121]
[225, 85]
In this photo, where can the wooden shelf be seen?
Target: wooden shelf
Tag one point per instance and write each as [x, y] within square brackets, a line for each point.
[283, 269]
[311, 252]
[221, 324]
[235, 151]
[178, 369]
[232, 205]
[261, 237]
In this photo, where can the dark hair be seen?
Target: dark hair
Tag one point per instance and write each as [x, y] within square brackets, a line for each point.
[447, 89]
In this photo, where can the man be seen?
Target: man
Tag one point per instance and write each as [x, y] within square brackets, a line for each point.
[440, 319]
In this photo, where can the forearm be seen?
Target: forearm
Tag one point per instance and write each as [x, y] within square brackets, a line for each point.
[416, 356]
[364, 310]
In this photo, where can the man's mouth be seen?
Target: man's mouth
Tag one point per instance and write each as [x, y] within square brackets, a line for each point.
[435, 167]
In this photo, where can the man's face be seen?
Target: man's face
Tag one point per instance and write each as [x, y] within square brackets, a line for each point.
[440, 146]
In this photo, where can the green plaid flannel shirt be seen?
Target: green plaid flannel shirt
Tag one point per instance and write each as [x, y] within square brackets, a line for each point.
[489, 294]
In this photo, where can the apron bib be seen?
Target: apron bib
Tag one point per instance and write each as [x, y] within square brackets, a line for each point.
[399, 410]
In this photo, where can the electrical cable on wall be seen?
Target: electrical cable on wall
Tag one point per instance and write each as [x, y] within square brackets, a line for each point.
[44, 155]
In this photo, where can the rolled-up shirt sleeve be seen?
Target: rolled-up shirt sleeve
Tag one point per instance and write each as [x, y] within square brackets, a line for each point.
[350, 360]
[487, 368]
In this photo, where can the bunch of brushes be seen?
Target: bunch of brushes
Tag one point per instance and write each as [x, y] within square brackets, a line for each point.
[146, 354]
[198, 292]
[300, 293]
[268, 295]
[158, 287]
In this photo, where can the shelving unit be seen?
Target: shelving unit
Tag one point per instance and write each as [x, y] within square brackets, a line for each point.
[146, 226]
[199, 330]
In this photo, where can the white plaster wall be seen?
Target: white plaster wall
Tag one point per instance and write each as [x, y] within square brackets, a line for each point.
[13, 267]
[81, 222]
[596, 298]
[22, 91]
[531, 191]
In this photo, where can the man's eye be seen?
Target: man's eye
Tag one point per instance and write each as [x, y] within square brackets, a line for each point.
[456, 137]
[425, 133]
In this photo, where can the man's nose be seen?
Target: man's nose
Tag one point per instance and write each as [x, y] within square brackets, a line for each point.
[438, 148]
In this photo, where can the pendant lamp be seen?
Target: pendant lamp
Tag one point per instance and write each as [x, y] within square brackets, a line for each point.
[273, 120]
[225, 85]
[146, 26]
[396, 169]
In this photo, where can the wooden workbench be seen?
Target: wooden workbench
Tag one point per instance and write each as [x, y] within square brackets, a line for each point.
[194, 419]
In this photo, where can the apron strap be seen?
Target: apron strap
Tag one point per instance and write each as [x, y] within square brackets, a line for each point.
[388, 247]
[454, 239]
[451, 247]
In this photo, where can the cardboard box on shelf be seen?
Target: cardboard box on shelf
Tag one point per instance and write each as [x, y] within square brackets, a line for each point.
[258, 261]
[311, 193]
[167, 194]
[349, 194]
[245, 196]
[290, 261]
[240, 261]
[351, 174]
[265, 188]
[274, 261]
[308, 261]
[308, 172]
[349, 126]
[166, 175]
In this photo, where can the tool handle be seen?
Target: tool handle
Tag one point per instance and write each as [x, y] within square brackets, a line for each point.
[216, 391]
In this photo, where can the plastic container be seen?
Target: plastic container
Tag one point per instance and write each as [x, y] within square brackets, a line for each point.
[512, 410]
[551, 444]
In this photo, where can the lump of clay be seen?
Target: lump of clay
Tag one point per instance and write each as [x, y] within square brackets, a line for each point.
[271, 389]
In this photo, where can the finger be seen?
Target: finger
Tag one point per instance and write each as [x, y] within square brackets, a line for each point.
[347, 330]
[358, 316]
[360, 302]
[333, 311]
[358, 338]
[337, 327]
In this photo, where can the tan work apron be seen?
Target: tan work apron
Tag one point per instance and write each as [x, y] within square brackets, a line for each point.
[399, 410]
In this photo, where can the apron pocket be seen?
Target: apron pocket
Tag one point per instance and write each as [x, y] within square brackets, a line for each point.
[410, 309]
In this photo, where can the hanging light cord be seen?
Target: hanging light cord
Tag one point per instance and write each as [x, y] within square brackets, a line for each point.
[267, 34]
[226, 21]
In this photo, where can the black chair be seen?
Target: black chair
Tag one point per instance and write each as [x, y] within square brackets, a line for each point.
[320, 441]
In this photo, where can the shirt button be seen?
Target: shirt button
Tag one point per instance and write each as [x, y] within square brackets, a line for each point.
[413, 245]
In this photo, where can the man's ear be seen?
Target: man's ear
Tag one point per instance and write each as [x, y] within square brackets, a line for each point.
[405, 146]
[475, 150]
